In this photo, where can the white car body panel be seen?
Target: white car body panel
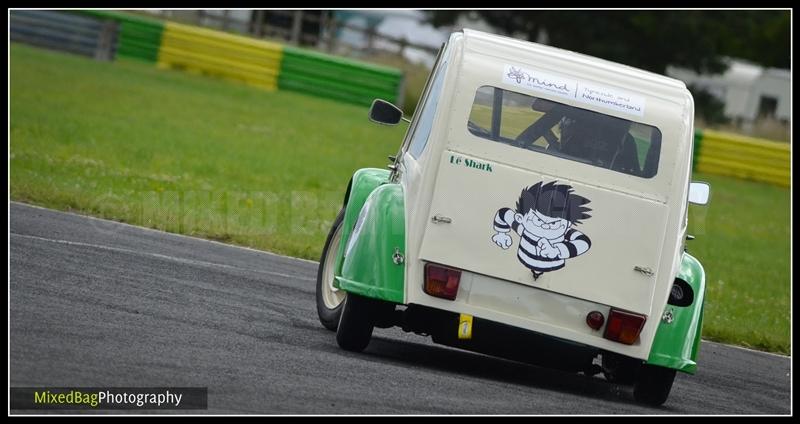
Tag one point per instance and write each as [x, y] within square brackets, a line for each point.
[635, 221]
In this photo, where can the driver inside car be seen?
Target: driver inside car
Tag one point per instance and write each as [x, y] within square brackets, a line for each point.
[600, 142]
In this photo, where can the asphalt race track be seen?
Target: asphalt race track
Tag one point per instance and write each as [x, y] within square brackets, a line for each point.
[96, 303]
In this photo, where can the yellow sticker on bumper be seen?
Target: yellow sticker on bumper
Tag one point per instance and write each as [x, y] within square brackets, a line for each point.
[465, 327]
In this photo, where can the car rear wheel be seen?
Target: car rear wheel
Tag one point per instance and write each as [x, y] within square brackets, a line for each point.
[330, 298]
[653, 384]
[357, 322]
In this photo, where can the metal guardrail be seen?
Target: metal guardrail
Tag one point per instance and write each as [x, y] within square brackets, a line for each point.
[139, 37]
[64, 31]
[270, 65]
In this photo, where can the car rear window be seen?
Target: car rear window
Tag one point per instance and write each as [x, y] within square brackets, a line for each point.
[554, 128]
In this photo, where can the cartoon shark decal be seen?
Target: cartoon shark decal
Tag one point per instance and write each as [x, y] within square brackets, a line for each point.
[544, 219]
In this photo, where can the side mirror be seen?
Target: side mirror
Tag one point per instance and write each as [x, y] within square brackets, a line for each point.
[384, 112]
[699, 193]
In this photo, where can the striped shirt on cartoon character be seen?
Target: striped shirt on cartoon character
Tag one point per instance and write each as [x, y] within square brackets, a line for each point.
[543, 219]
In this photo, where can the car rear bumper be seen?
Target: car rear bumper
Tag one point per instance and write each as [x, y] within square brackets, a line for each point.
[533, 309]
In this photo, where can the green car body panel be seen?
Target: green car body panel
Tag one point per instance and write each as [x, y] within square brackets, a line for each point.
[676, 343]
[362, 184]
[375, 212]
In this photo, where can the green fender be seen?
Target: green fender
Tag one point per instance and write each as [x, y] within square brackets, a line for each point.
[676, 343]
[374, 258]
[362, 184]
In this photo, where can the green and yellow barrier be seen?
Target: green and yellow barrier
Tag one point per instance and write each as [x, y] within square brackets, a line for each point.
[337, 78]
[743, 157]
[219, 54]
[255, 62]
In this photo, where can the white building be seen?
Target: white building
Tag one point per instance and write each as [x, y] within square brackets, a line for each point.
[748, 91]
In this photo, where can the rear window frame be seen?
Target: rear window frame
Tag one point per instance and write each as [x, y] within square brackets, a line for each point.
[655, 141]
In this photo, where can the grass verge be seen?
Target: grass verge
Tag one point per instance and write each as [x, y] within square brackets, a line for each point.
[185, 153]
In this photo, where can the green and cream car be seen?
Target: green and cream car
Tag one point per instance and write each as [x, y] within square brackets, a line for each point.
[537, 210]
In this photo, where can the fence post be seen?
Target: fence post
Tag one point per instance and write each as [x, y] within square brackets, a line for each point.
[226, 19]
[106, 40]
[323, 25]
[331, 33]
[258, 23]
[297, 26]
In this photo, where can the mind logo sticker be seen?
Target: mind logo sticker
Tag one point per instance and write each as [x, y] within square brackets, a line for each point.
[544, 219]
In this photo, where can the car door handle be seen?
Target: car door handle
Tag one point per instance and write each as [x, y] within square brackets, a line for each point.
[441, 219]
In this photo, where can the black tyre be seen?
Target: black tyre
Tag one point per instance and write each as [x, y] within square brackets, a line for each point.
[653, 384]
[329, 298]
[356, 323]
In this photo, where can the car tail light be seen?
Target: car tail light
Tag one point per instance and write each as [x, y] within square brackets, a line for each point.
[441, 281]
[595, 320]
[624, 327]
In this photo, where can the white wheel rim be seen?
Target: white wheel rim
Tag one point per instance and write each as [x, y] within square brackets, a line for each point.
[331, 296]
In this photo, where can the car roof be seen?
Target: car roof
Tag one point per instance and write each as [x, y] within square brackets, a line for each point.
[518, 50]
